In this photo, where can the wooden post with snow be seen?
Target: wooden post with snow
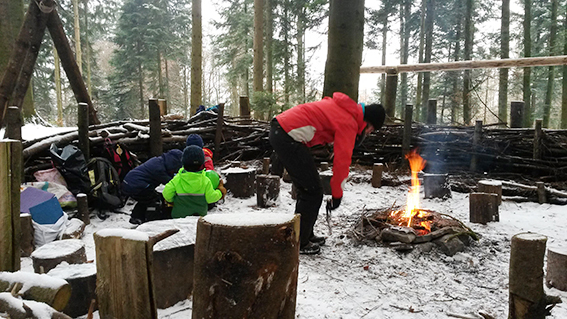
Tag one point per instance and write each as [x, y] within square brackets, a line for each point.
[491, 187]
[324, 166]
[246, 266]
[156, 142]
[391, 89]
[527, 297]
[83, 125]
[538, 136]
[10, 178]
[266, 165]
[124, 259]
[83, 208]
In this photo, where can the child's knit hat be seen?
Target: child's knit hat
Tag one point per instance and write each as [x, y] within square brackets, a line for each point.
[193, 158]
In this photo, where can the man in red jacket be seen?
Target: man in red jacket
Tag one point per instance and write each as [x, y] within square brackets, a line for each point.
[338, 120]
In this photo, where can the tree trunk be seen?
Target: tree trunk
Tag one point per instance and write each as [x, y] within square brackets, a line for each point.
[429, 22]
[551, 70]
[346, 32]
[244, 271]
[196, 56]
[269, 46]
[405, 36]
[468, 54]
[504, 54]
[419, 88]
[185, 93]
[258, 46]
[456, 75]
[527, 41]
[124, 283]
[77, 28]
[527, 298]
[300, 51]
[141, 89]
[57, 78]
[286, 30]
[88, 47]
[564, 83]
[10, 232]
[384, 54]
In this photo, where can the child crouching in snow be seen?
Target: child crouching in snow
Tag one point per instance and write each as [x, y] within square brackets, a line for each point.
[191, 190]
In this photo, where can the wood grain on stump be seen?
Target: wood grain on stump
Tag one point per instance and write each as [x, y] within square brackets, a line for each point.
[240, 182]
[491, 187]
[483, 208]
[246, 266]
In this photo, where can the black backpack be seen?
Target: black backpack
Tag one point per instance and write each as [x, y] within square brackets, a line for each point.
[120, 157]
[71, 163]
[104, 184]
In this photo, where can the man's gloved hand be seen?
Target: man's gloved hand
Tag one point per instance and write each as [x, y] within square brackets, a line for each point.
[222, 189]
[333, 203]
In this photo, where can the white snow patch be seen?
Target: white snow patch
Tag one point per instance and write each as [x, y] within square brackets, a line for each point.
[71, 271]
[58, 248]
[29, 279]
[248, 219]
[238, 170]
[124, 233]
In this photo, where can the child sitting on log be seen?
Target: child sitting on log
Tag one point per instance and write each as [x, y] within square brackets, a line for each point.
[196, 139]
[191, 190]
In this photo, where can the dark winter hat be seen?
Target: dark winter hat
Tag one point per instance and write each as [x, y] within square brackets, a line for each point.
[172, 160]
[194, 139]
[375, 115]
[193, 158]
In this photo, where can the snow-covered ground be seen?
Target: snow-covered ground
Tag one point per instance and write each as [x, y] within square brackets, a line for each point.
[352, 280]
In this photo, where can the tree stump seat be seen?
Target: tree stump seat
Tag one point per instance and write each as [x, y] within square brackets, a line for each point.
[267, 190]
[38, 287]
[173, 255]
[82, 278]
[436, 186]
[52, 254]
[240, 181]
[491, 187]
[556, 274]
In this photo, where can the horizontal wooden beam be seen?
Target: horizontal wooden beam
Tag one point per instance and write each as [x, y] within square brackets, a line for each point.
[465, 65]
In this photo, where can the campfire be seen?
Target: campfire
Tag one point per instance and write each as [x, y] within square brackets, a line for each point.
[404, 227]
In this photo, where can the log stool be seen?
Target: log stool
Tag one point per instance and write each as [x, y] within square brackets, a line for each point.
[246, 266]
[173, 255]
[556, 276]
[82, 278]
[324, 166]
[436, 186]
[240, 181]
[483, 208]
[74, 230]
[326, 182]
[52, 254]
[267, 190]
[491, 187]
[42, 288]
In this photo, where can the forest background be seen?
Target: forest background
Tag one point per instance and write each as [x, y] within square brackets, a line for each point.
[133, 50]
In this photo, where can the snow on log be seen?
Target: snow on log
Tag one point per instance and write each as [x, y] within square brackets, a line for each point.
[42, 288]
[52, 254]
[240, 181]
[246, 266]
[27, 309]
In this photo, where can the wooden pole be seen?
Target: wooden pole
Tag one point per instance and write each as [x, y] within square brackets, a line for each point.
[10, 232]
[527, 297]
[406, 141]
[377, 170]
[245, 270]
[266, 166]
[391, 89]
[538, 136]
[324, 166]
[516, 114]
[162, 107]
[431, 112]
[541, 195]
[468, 65]
[156, 143]
[218, 133]
[245, 109]
[69, 64]
[476, 142]
[83, 208]
[83, 118]
[22, 60]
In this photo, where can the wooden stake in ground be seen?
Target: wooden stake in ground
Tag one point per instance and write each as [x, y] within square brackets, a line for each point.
[246, 266]
[124, 273]
[10, 233]
[377, 170]
[527, 298]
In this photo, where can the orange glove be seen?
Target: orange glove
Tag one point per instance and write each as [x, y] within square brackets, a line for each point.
[222, 188]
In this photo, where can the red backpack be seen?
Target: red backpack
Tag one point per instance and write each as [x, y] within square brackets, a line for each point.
[122, 160]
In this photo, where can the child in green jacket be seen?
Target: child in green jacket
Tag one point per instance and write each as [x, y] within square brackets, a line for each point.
[191, 190]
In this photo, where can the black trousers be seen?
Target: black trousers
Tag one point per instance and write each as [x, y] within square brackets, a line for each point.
[299, 163]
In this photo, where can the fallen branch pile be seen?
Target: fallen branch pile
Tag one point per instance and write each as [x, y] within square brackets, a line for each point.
[446, 149]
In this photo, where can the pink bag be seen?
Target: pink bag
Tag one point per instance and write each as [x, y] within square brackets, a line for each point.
[50, 175]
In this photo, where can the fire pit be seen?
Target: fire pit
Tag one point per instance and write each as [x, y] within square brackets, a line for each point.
[405, 227]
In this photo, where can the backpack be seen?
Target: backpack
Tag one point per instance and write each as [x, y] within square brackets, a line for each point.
[122, 160]
[71, 163]
[104, 184]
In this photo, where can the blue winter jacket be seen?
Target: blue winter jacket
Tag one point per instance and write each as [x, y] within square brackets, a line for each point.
[155, 171]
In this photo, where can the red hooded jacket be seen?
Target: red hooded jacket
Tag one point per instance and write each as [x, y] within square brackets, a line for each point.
[332, 120]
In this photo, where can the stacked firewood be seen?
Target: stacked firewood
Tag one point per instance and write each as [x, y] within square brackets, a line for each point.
[446, 149]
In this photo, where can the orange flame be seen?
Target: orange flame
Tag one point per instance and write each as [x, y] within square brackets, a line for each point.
[417, 163]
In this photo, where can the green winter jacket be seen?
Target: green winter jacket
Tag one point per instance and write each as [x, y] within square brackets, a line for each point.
[190, 193]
